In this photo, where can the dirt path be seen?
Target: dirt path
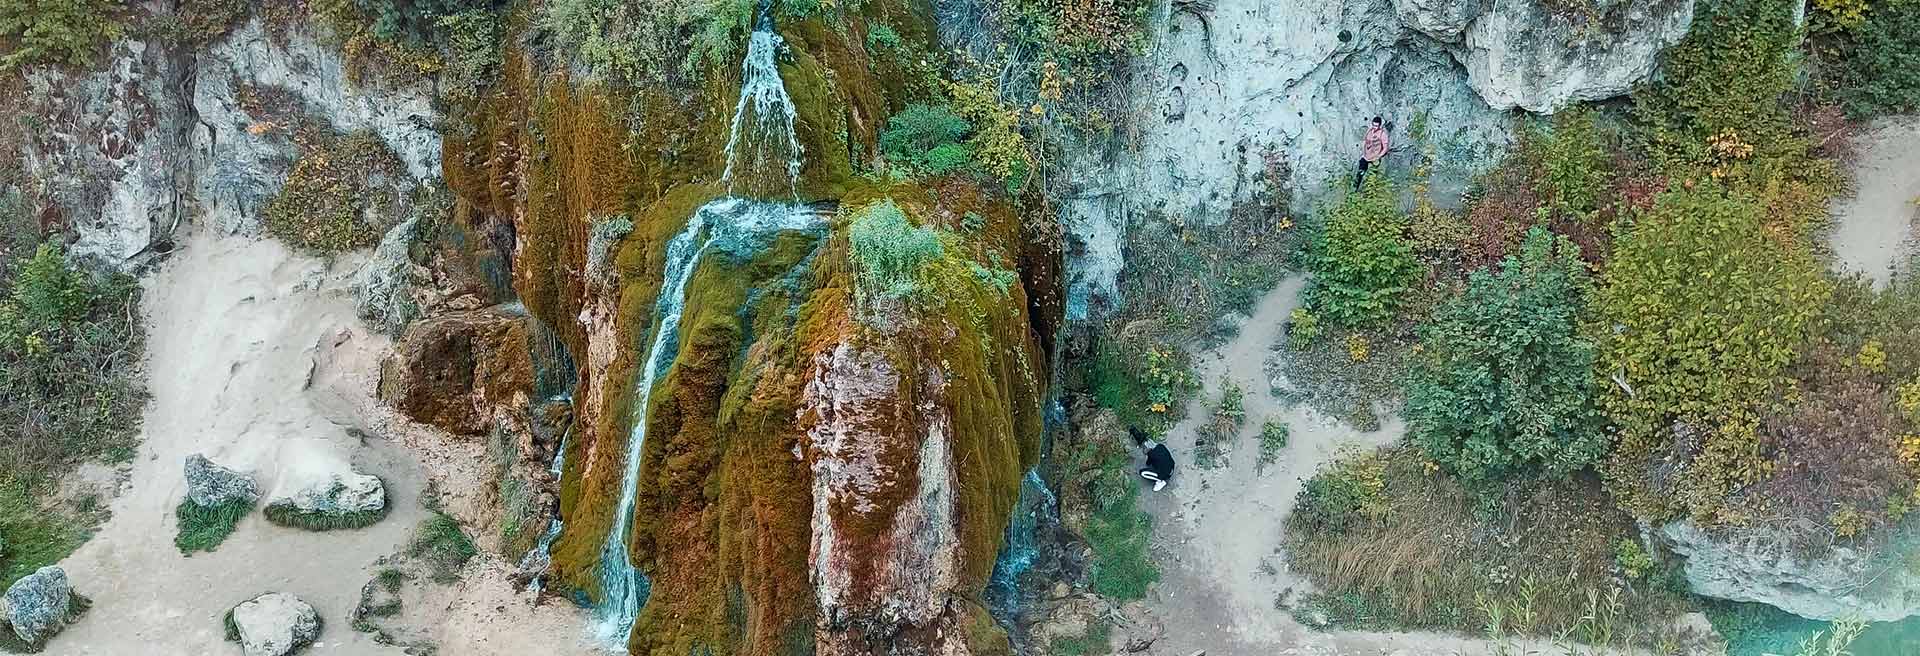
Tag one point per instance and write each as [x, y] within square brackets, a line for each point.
[258, 361]
[1873, 231]
[1218, 533]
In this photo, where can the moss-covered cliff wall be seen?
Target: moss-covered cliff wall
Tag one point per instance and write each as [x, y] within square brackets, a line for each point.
[752, 541]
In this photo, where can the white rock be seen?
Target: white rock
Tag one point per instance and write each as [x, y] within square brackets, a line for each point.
[275, 624]
[1760, 566]
[1524, 53]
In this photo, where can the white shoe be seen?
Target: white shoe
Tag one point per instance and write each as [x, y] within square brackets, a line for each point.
[1158, 484]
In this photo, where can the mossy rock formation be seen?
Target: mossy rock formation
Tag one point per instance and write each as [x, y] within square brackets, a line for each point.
[825, 472]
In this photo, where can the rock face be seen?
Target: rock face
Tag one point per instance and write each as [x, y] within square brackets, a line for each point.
[461, 371]
[1540, 56]
[39, 604]
[275, 624]
[1234, 91]
[383, 287]
[246, 155]
[111, 150]
[338, 493]
[211, 485]
[1758, 566]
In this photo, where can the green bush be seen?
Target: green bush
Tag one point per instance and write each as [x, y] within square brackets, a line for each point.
[70, 351]
[1728, 75]
[1700, 312]
[203, 528]
[1342, 494]
[418, 22]
[1575, 167]
[890, 251]
[881, 37]
[1507, 379]
[1273, 438]
[1362, 264]
[1872, 69]
[927, 139]
[56, 31]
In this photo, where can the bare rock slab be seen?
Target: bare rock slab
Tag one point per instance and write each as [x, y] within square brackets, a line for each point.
[274, 624]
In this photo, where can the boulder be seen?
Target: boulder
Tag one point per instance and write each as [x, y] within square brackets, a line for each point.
[351, 492]
[274, 624]
[1759, 565]
[383, 287]
[454, 371]
[210, 485]
[39, 604]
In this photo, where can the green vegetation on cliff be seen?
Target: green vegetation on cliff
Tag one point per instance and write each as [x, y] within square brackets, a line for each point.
[71, 32]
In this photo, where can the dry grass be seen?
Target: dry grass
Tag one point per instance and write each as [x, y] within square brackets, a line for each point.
[1418, 552]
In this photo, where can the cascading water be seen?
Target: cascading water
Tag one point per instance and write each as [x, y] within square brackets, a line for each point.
[761, 134]
[762, 128]
[1037, 507]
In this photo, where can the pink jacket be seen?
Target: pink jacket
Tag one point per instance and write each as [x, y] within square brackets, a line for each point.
[1376, 144]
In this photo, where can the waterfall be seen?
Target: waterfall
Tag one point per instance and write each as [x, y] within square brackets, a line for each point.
[762, 129]
[761, 140]
[1036, 507]
[736, 227]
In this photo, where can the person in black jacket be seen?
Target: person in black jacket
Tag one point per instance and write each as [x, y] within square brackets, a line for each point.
[1159, 467]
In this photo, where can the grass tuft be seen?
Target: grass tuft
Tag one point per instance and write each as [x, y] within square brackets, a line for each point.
[443, 546]
[285, 514]
[203, 528]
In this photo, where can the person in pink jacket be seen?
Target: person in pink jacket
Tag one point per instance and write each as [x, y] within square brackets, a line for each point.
[1374, 148]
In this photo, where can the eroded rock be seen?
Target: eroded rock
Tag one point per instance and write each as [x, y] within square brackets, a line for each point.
[1760, 565]
[210, 485]
[39, 604]
[275, 624]
[331, 500]
[455, 371]
[1530, 54]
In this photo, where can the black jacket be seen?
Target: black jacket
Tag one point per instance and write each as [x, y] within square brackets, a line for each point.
[1160, 461]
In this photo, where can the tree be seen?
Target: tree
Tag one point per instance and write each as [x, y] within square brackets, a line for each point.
[1507, 380]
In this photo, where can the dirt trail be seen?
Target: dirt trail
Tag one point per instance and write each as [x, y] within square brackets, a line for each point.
[257, 360]
[1218, 533]
[1873, 229]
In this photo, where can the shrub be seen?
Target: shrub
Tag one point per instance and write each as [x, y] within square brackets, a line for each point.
[1870, 68]
[997, 143]
[1632, 560]
[1506, 383]
[56, 31]
[1700, 312]
[1273, 438]
[70, 351]
[881, 37]
[1362, 264]
[1223, 427]
[890, 250]
[1343, 493]
[1145, 382]
[203, 528]
[335, 198]
[1574, 164]
[926, 139]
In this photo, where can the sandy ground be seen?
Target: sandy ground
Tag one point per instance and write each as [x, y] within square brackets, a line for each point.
[1873, 230]
[258, 361]
[1218, 533]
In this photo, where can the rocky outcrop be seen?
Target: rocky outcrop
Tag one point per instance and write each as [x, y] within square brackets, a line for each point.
[210, 485]
[1245, 103]
[248, 90]
[274, 624]
[1762, 566]
[1540, 56]
[108, 154]
[38, 605]
[461, 371]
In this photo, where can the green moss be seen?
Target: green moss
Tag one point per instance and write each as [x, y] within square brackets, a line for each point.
[34, 538]
[338, 195]
[203, 528]
[441, 544]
